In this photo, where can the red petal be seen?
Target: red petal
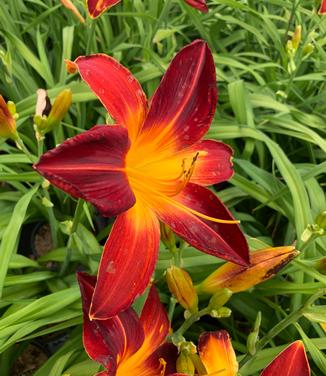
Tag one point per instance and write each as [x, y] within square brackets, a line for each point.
[89, 166]
[118, 90]
[198, 4]
[154, 320]
[290, 362]
[108, 341]
[322, 7]
[183, 106]
[217, 354]
[97, 7]
[128, 261]
[222, 240]
[213, 164]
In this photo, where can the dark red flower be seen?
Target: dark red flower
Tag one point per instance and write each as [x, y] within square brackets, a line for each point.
[125, 344]
[152, 166]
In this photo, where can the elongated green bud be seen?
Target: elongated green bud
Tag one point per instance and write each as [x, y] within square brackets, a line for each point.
[181, 286]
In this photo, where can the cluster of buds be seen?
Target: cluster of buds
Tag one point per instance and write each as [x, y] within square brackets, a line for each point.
[8, 117]
[292, 46]
[316, 229]
[48, 117]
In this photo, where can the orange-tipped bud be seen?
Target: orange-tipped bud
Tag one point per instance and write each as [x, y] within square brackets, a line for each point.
[71, 66]
[7, 119]
[265, 264]
[181, 286]
[69, 5]
[185, 364]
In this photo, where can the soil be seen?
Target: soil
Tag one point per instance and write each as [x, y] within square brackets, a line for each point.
[29, 361]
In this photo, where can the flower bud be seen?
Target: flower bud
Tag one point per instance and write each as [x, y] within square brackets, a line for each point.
[265, 263]
[321, 220]
[69, 5]
[181, 286]
[59, 109]
[7, 119]
[320, 265]
[221, 313]
[184, 364]
[220, 298]
[296, 37]
[168, 237]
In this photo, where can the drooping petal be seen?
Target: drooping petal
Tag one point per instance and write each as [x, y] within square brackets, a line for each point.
[290, 362]
[108, 341]
[217, 354]
[264, 264]
[183, 106]
[198, 4]
[90, 166]
[118, 90]
[97, 7]
[128, 261]
[222, 240]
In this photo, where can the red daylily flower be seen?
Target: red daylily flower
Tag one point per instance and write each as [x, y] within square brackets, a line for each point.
[322, 9]
[152, 166]
[125, 344]
[290, 362]
[97, 7]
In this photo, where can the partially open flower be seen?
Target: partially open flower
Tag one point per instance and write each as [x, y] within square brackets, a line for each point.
[265, 264]
[7, 120]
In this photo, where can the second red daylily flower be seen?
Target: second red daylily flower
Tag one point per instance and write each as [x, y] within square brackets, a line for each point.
[125, 344]
[97, 7]
[322, 9]
[152, 166]
[292, 361]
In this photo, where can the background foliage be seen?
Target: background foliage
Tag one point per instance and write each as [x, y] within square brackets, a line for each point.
[271, 111]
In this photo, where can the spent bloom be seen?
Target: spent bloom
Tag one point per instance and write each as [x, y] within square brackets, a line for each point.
[126, 344]
[7, 119]
[97, 7]
[151, 166]
[264, 264]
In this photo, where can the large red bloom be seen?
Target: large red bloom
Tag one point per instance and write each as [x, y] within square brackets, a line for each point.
[152, 166]
[97, 7]
[125, 344]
